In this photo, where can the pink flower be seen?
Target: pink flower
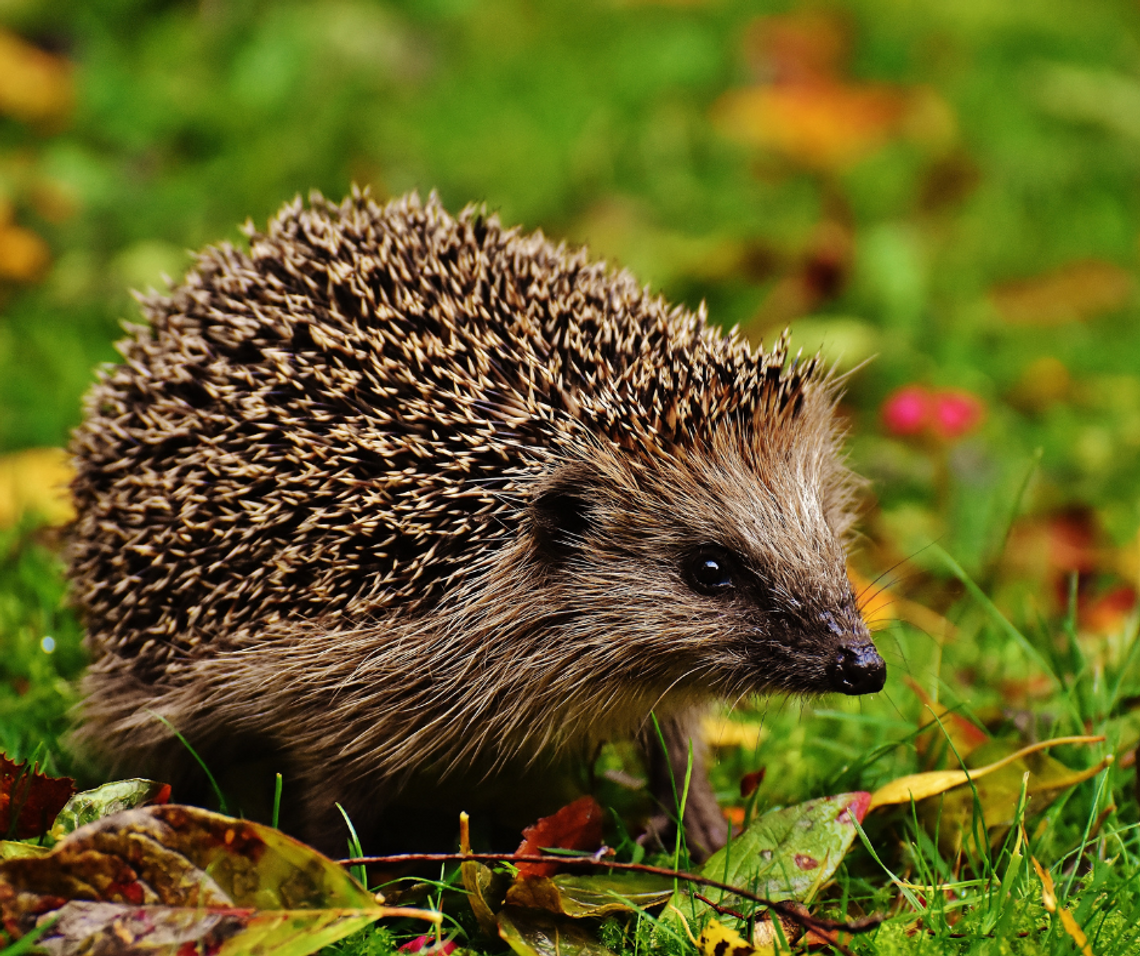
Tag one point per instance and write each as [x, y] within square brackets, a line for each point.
[956, 413]
[908, 410]
[947, 414]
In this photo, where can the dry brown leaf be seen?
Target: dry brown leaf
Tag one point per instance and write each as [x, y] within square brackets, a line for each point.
[577, 826]
[1079, 290]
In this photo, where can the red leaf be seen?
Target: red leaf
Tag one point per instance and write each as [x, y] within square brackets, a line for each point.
[750, 781]
[577, 826]
[34, 797]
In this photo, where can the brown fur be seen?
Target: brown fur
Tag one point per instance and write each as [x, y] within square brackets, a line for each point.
[407, 498]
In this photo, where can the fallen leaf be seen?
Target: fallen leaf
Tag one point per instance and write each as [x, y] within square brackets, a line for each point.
[919, 786]
[944, 726]
[1079, 290]
[577, 826]
[35, 481]
[430, 946]
[716, 939]
[35, 86]
[823, 124]
[24, 256]
[535, 933]
[1044, 383]
[174, 880]
[874, 601]
[582, 897]
[797, 47]
[1049, 901]
[773, 935]
[786, 854]
[91, 805]
[750, 782]
[15, 850]
[29, 800]
[720, 732]
[1107, 613]
[951, 815]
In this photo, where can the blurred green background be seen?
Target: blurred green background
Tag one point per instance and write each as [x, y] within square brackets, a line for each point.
[948, 190]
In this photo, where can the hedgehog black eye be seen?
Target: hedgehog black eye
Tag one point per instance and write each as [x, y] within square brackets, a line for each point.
[710, 569]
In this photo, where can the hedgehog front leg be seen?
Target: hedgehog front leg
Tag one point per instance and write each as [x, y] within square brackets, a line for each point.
[706, 829]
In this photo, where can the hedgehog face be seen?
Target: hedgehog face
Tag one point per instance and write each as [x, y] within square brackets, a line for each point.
[720, 570]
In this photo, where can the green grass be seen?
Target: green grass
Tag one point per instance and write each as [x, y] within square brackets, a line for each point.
[594, 121]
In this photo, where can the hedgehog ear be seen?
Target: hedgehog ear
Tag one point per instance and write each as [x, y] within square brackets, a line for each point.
[561, 514]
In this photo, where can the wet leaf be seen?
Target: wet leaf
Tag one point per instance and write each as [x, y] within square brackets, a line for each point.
[29, 800]
[577, 826]
[91, 805]
[161, 879]
[786, 854]
[590, 896]
[485, 888]
[534, 933]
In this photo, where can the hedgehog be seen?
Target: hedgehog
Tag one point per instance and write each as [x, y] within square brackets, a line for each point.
[420, 506]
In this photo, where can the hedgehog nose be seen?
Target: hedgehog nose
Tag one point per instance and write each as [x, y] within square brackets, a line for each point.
[857, 669]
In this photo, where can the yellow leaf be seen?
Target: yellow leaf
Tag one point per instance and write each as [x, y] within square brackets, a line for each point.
[34, 85]
[919, 786]
[716, 939]
[24, 256]
[720, 732]
[1049, 901]
[35, 480]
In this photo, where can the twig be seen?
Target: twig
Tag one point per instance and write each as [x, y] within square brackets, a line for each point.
[806, 920]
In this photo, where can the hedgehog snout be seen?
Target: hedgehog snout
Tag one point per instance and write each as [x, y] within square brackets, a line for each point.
[857, 668]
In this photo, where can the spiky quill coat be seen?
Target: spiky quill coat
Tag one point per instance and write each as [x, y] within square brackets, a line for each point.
[404, 494]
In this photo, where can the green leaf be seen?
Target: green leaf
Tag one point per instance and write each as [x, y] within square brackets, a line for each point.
[786, 854]
[589, 896]
[534, 933]
[17, 850]
[91, 805]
